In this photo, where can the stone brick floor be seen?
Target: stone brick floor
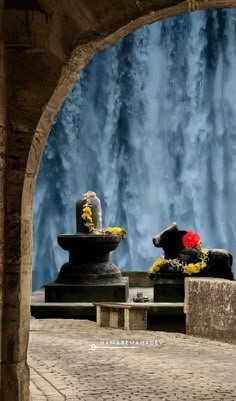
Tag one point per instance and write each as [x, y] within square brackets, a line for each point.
[134, 366]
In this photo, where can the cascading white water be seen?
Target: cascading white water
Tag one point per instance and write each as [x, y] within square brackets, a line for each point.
[150, 125]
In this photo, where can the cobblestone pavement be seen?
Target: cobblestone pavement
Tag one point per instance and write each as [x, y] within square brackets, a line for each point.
[163, 366]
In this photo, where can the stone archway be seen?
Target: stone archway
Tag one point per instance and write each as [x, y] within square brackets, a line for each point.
[44, 45]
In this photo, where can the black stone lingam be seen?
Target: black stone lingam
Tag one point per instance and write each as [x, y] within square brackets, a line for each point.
[89, 276]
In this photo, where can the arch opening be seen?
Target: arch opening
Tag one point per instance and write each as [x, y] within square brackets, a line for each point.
[74, 57]
[145, 112]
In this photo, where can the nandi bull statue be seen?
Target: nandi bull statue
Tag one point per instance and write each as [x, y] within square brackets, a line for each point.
[184, 253]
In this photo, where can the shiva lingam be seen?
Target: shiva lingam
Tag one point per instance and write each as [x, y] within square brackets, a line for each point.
[89, 275]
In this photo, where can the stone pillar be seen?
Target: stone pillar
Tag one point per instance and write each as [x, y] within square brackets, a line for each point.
[32, 74]
[3, 110]
[210, 308]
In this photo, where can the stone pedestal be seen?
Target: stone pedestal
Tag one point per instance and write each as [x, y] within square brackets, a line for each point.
[170, 289]
[89, 276]
[65, 292]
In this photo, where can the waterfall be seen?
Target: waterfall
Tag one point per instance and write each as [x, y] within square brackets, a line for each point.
[150, 125]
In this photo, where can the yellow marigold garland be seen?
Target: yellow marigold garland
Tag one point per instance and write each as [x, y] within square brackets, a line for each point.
[188, 269]
[116, 231]
[87, 216]
[193, 268]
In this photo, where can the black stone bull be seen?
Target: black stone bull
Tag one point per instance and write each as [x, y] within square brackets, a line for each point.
[219, 263]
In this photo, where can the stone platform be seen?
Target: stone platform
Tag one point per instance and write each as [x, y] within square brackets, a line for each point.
[75, 360]
[59, 292]
[161, 316]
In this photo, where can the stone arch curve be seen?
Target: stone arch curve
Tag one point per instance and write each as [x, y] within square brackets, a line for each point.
[43, 53]
[79, 58]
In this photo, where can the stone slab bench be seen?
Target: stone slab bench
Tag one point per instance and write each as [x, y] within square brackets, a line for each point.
[121, 315]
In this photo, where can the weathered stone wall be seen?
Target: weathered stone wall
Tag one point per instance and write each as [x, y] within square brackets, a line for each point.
[43, 46]
[2, 166]
[210, 308]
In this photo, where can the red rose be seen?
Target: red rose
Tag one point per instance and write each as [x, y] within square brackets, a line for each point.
[191, 239]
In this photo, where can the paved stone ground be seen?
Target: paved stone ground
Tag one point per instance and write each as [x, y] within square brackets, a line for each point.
[164, 366]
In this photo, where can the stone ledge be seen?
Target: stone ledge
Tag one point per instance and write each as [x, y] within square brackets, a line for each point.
[210, 308]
